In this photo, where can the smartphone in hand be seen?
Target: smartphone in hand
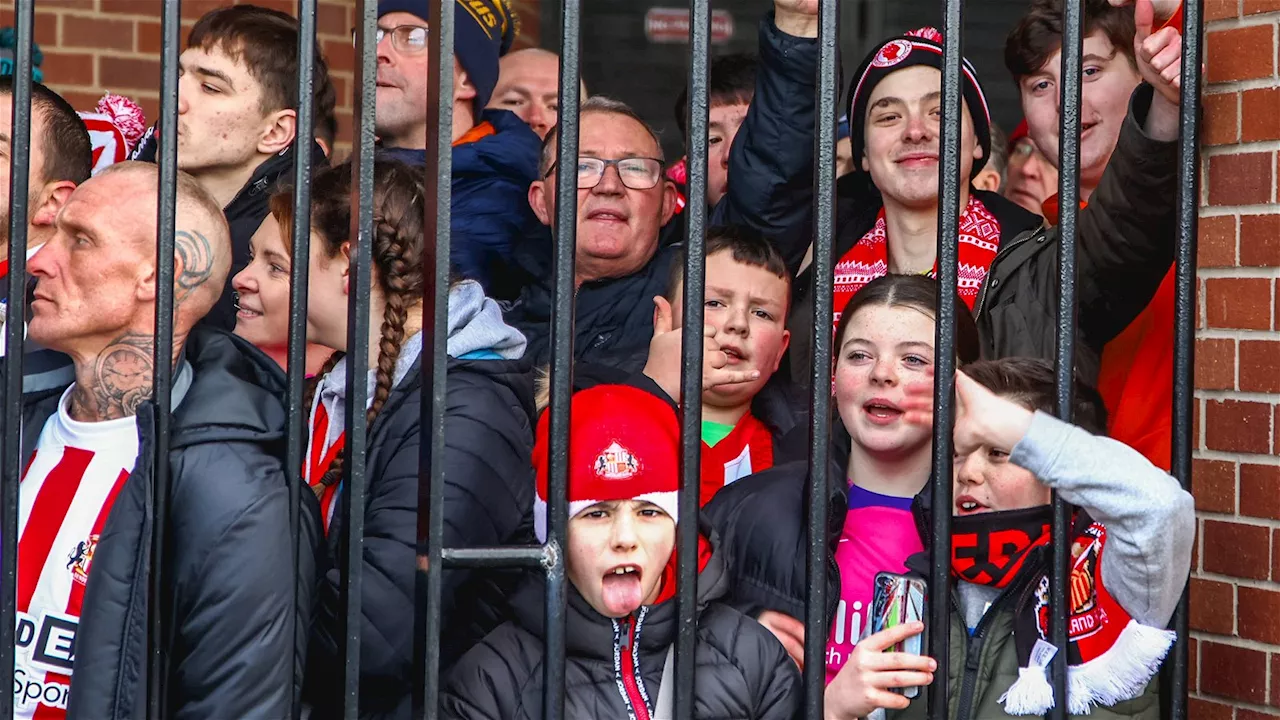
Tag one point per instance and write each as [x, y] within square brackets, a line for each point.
[899, 599]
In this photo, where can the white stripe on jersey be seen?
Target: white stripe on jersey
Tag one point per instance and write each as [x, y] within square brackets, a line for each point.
[114, 448]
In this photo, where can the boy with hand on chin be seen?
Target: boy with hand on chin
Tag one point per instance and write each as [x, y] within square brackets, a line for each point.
[747, 414]
[621, 621]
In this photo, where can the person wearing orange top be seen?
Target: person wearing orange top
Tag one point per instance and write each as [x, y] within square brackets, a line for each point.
[495, 154]
[1139, 403]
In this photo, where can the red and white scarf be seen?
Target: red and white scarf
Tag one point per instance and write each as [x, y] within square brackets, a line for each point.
[868, 259]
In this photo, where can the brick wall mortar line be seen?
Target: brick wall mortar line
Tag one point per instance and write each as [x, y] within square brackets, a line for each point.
[1239, 210]
[1262, 272]
[1237, 457]
[1239, 395]
[1244, 21]
[1237, 642]
[1240, 148]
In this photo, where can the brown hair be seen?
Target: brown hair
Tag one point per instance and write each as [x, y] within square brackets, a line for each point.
[68, 153]
[1031, 383]
[1038, 35]
[731, 80]
[266, 42]
[748, 248]
[918, 292]
[397, 253]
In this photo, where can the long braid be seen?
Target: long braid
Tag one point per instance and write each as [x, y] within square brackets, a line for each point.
[396, 254]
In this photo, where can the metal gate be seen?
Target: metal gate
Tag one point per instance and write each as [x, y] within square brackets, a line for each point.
[549, 558]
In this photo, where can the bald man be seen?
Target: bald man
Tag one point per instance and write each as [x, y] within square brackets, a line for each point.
[529, 86]
[85, 517]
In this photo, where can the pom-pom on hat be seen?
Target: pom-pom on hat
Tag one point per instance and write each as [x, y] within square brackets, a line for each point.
[483, 31]
[115, 127]
[918, 47]
[625, 446]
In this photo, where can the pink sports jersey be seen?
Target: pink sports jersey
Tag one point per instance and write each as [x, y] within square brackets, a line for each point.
[879, 535]
[71, 481]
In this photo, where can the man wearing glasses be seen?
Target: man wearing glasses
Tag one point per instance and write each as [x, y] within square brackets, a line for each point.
[623, 201]
[495, 154]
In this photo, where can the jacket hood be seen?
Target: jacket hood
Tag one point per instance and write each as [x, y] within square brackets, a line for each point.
[236, 393]
[590, 634]
[476, 327]
[512, 151]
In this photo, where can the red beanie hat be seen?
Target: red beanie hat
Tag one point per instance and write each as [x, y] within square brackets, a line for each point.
[625, 446]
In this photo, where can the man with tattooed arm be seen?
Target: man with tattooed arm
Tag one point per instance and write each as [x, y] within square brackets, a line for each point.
[86, 521]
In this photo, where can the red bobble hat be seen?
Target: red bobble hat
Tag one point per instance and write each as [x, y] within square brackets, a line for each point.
[625, 446]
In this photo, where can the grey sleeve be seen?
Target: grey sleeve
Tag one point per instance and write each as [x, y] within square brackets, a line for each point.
[1150, 519]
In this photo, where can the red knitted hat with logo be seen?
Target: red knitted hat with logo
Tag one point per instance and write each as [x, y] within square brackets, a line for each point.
[625, 445]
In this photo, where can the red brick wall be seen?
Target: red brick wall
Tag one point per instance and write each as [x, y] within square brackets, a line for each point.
[1235, 586]
[92, 46]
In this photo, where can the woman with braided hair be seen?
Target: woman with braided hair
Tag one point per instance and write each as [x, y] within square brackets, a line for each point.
[488, 439]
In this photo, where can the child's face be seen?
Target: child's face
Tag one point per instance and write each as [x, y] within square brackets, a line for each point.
[747, 306]
[631, 536]
[883, 349]
[985, 481]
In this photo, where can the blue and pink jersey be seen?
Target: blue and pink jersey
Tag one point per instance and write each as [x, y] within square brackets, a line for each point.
[879, 535]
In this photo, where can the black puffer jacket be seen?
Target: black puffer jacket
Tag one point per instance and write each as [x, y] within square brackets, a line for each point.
[768, 567]
[229, 559]
[614, 317]
[1125, 243]
[489, 501]
[742, 671]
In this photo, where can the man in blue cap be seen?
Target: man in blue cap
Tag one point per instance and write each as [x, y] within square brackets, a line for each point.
[495, 156]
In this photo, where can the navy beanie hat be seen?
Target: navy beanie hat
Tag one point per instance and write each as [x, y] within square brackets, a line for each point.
[483, 31]
[918, 47]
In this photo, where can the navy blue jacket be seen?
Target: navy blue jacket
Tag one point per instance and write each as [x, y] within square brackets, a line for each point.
[491, 212]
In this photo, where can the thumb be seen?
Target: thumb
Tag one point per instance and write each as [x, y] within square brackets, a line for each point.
[1143, 19]
[662, 316]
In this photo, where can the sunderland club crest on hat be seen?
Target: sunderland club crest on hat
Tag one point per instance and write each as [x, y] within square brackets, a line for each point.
[616, 463]
[893, 52]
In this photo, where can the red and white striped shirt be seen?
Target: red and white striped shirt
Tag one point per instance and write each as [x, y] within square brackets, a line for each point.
[71, 481]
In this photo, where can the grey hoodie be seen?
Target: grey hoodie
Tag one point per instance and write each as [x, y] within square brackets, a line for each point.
[476, 332]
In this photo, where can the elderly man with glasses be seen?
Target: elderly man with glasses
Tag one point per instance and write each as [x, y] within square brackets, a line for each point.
[495, 154]
[623, 201]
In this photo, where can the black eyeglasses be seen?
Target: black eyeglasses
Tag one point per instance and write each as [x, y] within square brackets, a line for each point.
[410, 39]
[637, 173]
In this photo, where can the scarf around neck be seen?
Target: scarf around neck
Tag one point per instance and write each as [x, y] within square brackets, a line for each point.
[1110, 656]
[868, 259]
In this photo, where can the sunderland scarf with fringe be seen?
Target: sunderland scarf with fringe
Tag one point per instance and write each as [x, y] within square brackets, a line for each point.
[1110, 656]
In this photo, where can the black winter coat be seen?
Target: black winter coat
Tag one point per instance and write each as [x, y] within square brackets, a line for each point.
[762, 520]
[488, 501]
[742, 672]
[229, 556]
[614, 317]
[1126, 234]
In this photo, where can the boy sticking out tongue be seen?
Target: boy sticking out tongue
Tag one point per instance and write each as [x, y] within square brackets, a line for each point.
[624, 460]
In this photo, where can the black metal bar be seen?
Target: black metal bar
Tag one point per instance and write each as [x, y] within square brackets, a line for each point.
[1184, 344]
[562, 322]
[14, 335]
[166, 222]
[1069, 205]
[435, 314]
[950, 187]
[296, 446]
[510, 556]
[695, 267]
[357, 357]
[816, 623]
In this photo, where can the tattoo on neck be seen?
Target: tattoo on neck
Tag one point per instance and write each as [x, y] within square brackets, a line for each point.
[120, 381]
[195, 257]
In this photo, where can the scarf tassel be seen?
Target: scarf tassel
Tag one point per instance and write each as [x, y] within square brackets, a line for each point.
[1119, 674]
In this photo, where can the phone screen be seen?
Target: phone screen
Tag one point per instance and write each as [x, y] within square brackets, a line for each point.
[899, 599]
